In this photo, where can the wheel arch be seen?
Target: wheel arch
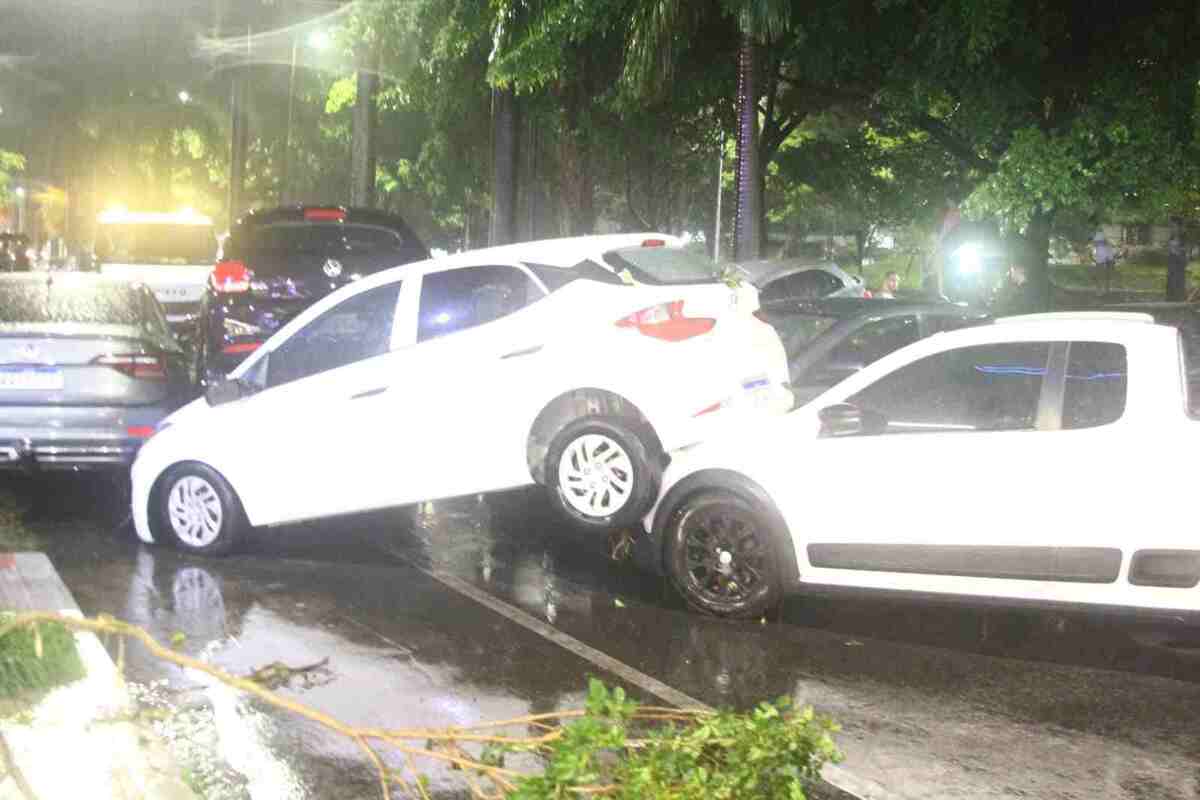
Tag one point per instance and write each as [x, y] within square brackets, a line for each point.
[745, 487]
[156, 486]
[570, 406]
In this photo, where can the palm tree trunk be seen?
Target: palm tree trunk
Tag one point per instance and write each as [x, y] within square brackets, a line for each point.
[747, 221]
[504, 167]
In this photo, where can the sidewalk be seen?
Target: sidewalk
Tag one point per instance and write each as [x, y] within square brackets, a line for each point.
[81, 741]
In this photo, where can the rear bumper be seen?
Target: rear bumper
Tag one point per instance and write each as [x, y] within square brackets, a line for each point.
[47, 454]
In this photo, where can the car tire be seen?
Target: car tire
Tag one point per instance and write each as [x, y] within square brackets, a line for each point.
[591, 460]
[195, 508]
[715, 543]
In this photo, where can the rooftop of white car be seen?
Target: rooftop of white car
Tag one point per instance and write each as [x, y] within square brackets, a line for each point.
[1079, 316]
[565, 252]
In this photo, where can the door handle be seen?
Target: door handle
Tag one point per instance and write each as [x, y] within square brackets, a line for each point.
[528, 351]
[369, 393]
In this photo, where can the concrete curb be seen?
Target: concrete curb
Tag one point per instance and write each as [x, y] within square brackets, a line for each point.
[81, 741]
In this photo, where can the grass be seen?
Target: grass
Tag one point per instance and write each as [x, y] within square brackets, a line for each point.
[25, 672]
[1129, 276]
[15, 534]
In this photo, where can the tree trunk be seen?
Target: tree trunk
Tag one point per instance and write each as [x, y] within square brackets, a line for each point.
[504, 167]
[860, 244]
[1037, 241]
[362, 147]
[239, 137]
[747, 220]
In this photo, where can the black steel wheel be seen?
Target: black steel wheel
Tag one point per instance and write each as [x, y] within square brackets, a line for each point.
[721, 556]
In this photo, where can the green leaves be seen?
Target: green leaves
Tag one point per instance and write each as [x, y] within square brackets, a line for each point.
[772, 751]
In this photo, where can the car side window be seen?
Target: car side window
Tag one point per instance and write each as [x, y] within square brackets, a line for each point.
[940, 323]
[1097, 378]
[980, 388]
[358, 328]
[864, 347]
[458, 299]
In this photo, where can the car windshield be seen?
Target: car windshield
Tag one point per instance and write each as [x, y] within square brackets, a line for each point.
[662, 265]
[156, 243]
[39, 302]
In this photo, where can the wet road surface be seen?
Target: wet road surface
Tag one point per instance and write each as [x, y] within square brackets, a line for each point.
[935, 700]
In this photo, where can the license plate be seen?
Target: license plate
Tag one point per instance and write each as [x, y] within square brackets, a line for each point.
[31, 378]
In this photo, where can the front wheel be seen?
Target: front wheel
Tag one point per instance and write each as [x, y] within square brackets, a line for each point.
[197, 509]
[720, 555]
[603, 473]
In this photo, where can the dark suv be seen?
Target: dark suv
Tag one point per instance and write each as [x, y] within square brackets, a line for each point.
[278, 262]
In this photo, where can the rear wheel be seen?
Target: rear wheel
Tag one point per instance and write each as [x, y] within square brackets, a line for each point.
[720, 554]
[197, 510]
[602, 473]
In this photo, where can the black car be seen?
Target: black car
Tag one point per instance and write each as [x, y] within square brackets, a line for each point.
[831, 339]
[88, 368]
[278, 262]
[14, 252]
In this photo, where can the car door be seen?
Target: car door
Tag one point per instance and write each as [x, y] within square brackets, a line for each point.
[478, 363]
[956, 484]
[326, 390]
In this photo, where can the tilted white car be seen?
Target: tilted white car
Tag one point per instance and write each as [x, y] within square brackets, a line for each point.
[481, 371]
[1039, 459]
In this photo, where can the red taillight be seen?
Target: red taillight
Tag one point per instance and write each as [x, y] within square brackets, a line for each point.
[230, 277]
[709, 409]
[135, 365]
[241, 348]
[325, 214]
[140, 431]
[666, 321]
[654, 243]
[867, 294]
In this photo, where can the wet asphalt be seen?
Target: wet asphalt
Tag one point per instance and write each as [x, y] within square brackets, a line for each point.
[935, 699]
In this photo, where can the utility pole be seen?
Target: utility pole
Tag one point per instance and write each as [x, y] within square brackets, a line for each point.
[720, 181]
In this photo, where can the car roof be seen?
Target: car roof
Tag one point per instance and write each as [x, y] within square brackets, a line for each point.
[849, 307]
[565, 252]
[354, 215]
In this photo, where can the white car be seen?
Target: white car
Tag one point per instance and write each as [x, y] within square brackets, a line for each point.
[481, 371]
[1039, 459]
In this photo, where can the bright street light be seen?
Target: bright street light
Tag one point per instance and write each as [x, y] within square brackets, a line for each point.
[20, 191]
[185, 97]
[320, 40]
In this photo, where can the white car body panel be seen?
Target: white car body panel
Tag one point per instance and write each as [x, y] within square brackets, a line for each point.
[1114, 486]
[452, 415]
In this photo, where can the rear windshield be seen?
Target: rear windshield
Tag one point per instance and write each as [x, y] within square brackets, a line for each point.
[662, 265]
[557, 277]
[160, 243]
[35, 303]
[305, 238]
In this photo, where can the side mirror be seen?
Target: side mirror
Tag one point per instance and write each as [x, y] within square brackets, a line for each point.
[845, 419]
[226, 391]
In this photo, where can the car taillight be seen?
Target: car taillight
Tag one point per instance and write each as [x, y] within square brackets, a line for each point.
[140, 431]
[325, 214]
[241, 348]
[230, 277]
[654, 243]
[666, 321]
[135, 365]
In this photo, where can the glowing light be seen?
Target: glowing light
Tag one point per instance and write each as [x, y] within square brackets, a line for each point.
[970, 260]
[185, 96]
[119, 215]
[442, 318]
[320, 40]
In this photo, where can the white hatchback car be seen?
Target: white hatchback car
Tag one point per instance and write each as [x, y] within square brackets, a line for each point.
[481, 371]
[1039, 460]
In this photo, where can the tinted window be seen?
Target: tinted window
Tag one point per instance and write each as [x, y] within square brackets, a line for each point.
[940, 323]
[48, 302]
[1097, 376]
[864, 347]
[662, 265]
[355, 329]
[986, 387]
[458, 299]
[807, 285]
[331, 239]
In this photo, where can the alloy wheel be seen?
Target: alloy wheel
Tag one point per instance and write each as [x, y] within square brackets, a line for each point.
[194, 510]
[595, 475]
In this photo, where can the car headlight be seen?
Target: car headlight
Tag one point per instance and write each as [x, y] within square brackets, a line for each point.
[234, 327]
[969, 259]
